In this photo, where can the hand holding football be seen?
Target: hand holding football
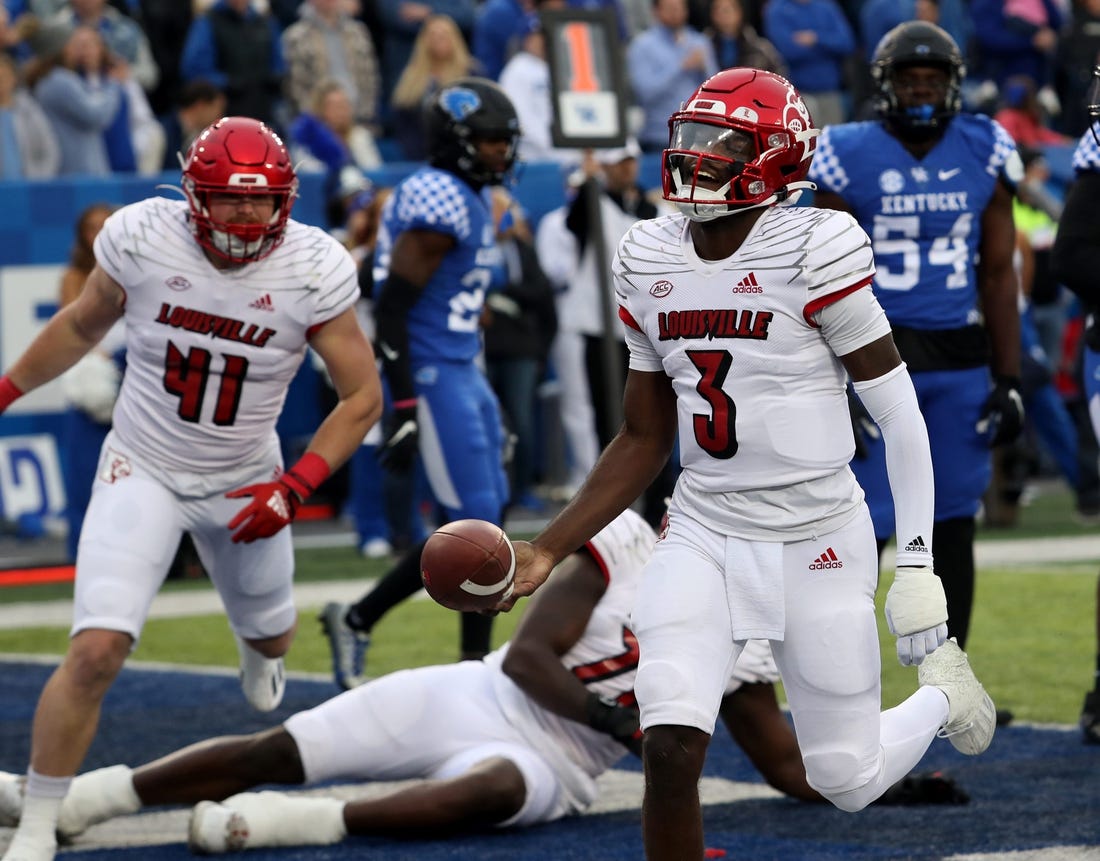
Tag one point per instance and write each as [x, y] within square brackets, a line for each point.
[468, 565]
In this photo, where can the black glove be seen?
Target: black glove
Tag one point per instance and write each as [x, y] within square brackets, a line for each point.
[618, 721]
[402, 437]
[864, 428]
[1002, 416]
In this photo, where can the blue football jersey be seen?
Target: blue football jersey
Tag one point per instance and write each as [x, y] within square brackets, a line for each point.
[444, 324]
[923, 215]
[1087, 155]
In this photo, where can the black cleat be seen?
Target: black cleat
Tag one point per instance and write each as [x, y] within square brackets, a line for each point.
[1090, 718]
[930, 787]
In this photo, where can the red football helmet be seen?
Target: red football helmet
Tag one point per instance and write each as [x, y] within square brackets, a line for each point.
[744, 139]
[240, 156]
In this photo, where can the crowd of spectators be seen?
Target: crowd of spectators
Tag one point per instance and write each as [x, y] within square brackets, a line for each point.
[114, 78]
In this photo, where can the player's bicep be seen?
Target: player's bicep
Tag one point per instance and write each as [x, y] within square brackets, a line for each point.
[998, 242]
[98, 305]
[649, 408]
[417, 254]
[347, 354]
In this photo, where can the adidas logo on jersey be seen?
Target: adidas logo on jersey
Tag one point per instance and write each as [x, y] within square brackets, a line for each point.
[748, 284]
[828, 559]
[264, 303]
[917, 545]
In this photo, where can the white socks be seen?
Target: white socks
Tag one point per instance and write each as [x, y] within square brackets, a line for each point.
[275, 819]
[96, 797]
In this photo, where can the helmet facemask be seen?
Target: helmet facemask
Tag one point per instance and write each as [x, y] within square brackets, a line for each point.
[924, 120]
[233, 241]
[715, 170]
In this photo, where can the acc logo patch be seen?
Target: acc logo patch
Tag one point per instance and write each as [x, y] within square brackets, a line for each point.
[459, 102]
[177, 282]
[661, 289]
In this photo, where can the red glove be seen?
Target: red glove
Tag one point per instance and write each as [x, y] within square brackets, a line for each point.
[9, 392]
[274, 503]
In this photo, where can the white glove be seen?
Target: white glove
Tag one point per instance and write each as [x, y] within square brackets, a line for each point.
[91, 385]
[916, 613]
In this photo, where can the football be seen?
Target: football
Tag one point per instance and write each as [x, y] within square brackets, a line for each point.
[468, 565]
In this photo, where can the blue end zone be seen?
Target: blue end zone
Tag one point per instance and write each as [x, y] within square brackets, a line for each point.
[1034, 788]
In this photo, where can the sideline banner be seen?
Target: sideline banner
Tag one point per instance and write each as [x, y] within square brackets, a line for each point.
[588, 88]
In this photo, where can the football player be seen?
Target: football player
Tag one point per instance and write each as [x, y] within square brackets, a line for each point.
[933, 187]
[435, 260]
[516, 739]
[221, 294]
[768, 535]
[1076, 260]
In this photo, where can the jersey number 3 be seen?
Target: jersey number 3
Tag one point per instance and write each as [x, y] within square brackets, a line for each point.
[715, 433]
[187, 377]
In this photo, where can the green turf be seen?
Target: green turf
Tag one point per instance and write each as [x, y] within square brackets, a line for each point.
[1032, 640]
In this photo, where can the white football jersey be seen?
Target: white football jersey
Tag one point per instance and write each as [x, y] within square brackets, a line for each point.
[760, 394]
[211, 353]
[605, 658]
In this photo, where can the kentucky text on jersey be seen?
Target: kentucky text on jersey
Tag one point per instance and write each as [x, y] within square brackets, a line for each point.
[714, 323]
[940, 201]
[203, 323]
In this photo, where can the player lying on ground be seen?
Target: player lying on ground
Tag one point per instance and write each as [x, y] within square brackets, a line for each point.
[517, 739]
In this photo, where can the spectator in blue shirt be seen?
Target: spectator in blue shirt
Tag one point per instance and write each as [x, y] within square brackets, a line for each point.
[82, 99]
[1008, 45]
[815, 39]
[664, 62]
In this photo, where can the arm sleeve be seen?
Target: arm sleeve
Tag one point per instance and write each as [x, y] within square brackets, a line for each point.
[1076, 256]
[892, 403]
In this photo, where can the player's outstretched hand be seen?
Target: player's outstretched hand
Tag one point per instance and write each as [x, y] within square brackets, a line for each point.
[1002, 418]
[916, 613]
[273, 506]
[533, 566]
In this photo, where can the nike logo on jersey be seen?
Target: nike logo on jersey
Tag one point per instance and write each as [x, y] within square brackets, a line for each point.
[388, 352]
[748, 284]
[945, 175]
[828, 559]
[711, 323]
[214, 325]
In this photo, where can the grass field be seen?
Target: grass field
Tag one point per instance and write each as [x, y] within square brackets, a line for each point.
[1032, 637]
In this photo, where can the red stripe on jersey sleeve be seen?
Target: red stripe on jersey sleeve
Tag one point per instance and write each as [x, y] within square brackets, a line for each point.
[815, 306]
[599, 560]
[624, 315]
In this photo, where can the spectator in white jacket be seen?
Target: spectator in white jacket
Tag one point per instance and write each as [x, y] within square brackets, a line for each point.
[28, 145]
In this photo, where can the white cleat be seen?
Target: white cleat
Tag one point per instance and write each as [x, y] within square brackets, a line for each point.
[972, 717]
[263, 680]
[26, 849]
[11, 798]
[215, 829]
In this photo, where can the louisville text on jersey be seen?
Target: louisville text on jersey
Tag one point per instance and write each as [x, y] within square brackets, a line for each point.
[713, 323]
[214, 325]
